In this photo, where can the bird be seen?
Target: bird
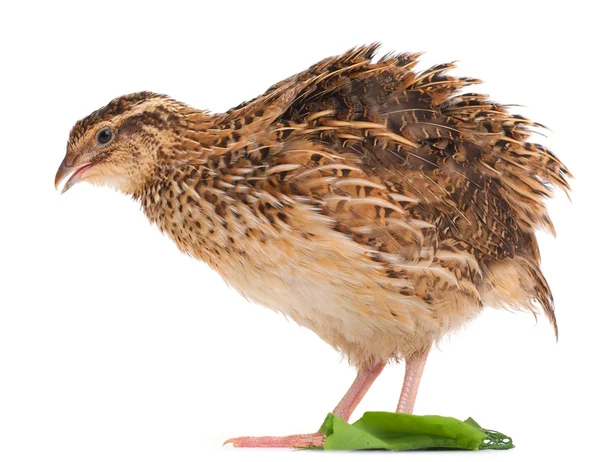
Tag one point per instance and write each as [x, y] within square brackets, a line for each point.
[379, 206]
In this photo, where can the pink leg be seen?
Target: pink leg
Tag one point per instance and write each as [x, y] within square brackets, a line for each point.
[412, 377]
[358, 389]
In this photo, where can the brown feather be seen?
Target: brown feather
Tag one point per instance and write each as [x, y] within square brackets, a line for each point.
[376, 205]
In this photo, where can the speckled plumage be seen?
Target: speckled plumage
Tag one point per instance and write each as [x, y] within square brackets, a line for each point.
[378, 206]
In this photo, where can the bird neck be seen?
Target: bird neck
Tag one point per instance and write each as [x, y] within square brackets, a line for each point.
[186, 139]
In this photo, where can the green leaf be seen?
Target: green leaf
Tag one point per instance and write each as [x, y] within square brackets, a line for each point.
[401, 432]
[493, 439]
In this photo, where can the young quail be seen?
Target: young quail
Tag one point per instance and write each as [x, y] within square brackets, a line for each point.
[378, 206]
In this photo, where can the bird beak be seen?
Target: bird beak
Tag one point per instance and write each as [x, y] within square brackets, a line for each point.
[73, 172]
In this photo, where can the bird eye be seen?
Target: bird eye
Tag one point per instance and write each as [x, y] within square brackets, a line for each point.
[104, 136]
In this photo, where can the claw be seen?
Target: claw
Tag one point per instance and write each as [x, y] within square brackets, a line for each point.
[291, 441]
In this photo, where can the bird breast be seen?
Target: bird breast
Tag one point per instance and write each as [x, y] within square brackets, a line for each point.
[298, 265]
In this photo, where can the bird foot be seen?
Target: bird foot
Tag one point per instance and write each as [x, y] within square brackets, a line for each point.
[291, 441]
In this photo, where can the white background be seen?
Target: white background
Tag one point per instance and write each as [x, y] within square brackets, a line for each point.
[113, 346]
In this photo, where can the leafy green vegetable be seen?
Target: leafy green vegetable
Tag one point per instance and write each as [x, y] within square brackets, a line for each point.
[401, 432]
[493, 439]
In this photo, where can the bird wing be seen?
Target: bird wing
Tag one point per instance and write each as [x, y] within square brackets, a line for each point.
[452, 159]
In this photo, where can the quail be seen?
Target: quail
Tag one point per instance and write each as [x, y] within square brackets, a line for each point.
[378, 206]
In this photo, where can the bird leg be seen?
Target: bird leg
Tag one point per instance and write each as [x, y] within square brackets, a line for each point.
[364, 379]
[412, 377]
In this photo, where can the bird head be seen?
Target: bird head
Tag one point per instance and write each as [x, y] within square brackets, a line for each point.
[120, 144]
